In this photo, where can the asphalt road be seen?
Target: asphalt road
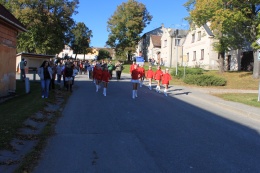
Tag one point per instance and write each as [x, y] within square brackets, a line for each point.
[150, 134]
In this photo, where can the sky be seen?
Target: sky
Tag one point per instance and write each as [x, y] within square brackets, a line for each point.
[96, 13]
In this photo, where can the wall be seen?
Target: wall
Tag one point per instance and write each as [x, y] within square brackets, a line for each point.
[7, 59]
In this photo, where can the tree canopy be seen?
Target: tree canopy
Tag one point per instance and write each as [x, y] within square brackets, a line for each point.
[49, 23]
[81, 35]
[233, 22]
[125, 25]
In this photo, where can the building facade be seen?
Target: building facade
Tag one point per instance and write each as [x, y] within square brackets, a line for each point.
[9, 29]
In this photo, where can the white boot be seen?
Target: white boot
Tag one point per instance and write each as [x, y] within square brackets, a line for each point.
[159, 89]
[165, 92]
[133, 94]
[105, 91]
[96, 88]
[150, 87]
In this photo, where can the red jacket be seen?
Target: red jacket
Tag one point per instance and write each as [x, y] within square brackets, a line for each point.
[166, 78]
[132, 67]
[105, 76]
[142, 71]
[98, 74]
[149, 74]
[158, 75]
[135, 74]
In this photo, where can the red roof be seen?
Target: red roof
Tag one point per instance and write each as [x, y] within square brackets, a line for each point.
[9, 18]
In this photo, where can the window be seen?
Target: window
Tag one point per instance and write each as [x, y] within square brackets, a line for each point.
[188, 57]
[194, 55]
[165, 43]
[199, 35]
[202, 54]
[193, 38]
[177, 42]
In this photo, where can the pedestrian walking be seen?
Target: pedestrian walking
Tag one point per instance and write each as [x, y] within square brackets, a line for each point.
[105, 79]
[98, 76]
[166, 80]
[110, 67]
[68, 73]
[22, 65]
[150, 76]
[142, 74]
[119, 69]
[158, 77]
[45, 74]
[135, 74]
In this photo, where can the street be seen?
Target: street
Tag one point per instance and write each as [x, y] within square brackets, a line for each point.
[150, 134]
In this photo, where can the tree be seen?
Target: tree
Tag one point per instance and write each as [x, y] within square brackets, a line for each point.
[230, 23]
[48, 24]
[103, 54]
[81, 39]
[124, 27]
[223, 21]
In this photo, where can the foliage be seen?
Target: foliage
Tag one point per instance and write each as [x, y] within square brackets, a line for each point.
[234, 23]
[103, 54]
[187, 71]
[205, 80]
[48, 24]
[81, 35]
[124, 27]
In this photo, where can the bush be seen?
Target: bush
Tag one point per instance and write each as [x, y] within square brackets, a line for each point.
[188, 71]
[205, 80]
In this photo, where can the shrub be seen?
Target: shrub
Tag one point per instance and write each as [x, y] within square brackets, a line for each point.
[205, 80]
[188, 71]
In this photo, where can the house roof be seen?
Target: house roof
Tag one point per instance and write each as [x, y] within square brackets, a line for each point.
[9, 18]
[206, 27]
[156, 40]
[34, 55]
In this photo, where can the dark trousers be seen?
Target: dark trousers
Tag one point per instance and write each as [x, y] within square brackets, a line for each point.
[110, 72]
[118, 74]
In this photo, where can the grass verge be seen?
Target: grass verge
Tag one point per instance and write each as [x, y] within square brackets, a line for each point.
[245, 98]
[16, 110]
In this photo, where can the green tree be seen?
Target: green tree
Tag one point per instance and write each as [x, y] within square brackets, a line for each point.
[124, 27]
[103, 54]
[232, 22]
[81, 39]
[48, 24]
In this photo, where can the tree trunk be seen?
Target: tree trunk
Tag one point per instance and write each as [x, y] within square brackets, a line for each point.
[221, 57]
[256, 70]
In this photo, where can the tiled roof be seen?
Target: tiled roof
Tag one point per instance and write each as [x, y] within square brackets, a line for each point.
[8, 17]
[156, 40]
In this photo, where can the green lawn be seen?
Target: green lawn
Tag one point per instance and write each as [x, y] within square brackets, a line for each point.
[245, 98]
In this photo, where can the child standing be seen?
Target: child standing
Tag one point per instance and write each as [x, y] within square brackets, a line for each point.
[142, 74]
[165, 80]
[135, 74]
[105, 79]
[158, 77]
[149, 76]
[98, 76]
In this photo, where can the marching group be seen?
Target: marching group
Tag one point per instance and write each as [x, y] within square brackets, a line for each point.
[138, 74]
[101, 73]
